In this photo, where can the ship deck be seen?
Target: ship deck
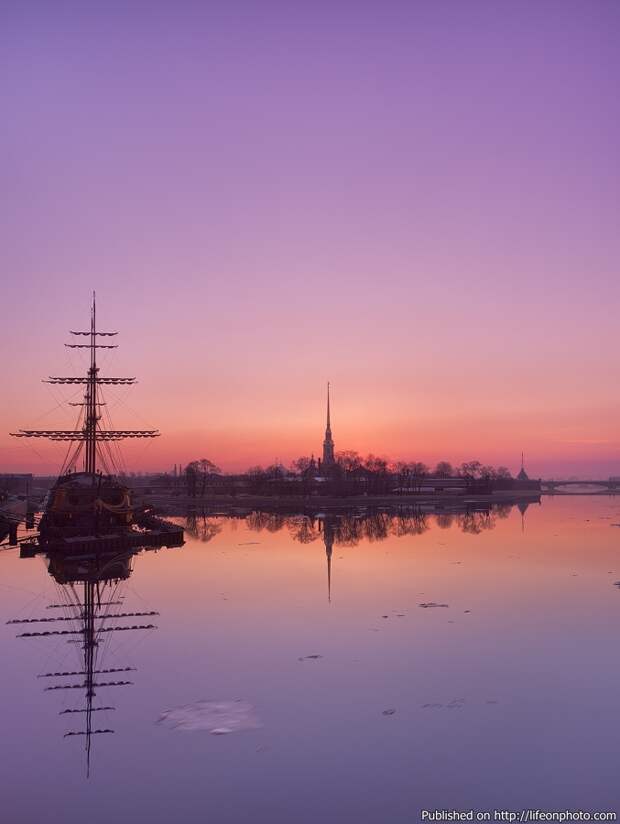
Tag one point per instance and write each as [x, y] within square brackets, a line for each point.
[154, 533]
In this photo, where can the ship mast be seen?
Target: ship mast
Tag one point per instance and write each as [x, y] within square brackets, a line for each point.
[90, 424]
[90, 435]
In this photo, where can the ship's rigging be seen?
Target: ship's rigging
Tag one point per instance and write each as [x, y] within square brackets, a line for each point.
[90, 509]
[90, 438]
[89, 532]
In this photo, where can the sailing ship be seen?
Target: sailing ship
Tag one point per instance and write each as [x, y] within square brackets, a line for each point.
[88, 505]
[89, 532]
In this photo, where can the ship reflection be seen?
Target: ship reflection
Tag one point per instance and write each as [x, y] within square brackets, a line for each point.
[88, 608]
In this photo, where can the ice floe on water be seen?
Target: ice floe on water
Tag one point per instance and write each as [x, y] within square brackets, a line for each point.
[215, 717]
[455, 704]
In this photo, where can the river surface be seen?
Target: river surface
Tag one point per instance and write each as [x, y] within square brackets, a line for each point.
[263, 697]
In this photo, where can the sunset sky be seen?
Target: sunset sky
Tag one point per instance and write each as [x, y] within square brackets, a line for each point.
[417, 201]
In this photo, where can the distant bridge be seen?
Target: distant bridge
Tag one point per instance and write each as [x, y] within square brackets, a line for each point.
[611, 485]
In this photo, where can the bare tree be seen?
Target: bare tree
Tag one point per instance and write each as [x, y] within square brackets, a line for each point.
[206, 468]
[349, 460]
[255, 472]
[374, 463]
[487, 473]
[403, 470]
[419, 471]
[275, 471]
[191, 478]
[444, 469]
[301, 465]
[470, 469]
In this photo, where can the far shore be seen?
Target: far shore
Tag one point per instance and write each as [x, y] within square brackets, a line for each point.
[317, 503]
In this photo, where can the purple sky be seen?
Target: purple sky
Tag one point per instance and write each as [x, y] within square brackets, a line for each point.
[416, 200]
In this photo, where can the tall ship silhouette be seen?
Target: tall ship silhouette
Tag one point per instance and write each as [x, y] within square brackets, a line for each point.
[88, 507]
[89, 532]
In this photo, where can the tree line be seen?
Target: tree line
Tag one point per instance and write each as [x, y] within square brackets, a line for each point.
[351, 474]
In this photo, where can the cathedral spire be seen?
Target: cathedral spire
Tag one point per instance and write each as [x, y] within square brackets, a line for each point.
[328, 443]
[328, 428]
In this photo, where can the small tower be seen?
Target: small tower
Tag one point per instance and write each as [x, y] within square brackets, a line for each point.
[328, 444]
[522, 476]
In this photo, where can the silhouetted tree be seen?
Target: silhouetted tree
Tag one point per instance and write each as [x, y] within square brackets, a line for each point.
[419, 471]
[487, 473]
[255, 472]
[375, 464]
[206, 468]
[301, 464]
[275, 472]
[348, 459]
[444, 469]
[403, 470]
[470, 469]
[191, 479]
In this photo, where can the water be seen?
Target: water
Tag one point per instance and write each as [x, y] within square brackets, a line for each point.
[367, 708]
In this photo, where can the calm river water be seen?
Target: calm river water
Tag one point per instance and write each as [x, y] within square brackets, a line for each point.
[500, 693]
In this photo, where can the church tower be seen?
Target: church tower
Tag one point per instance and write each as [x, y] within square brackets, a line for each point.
[522, 476]
[328, 443]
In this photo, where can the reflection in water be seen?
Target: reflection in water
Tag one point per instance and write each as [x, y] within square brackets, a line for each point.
[348, 529]
[202, 528]
[431, 706]
[352, 527]
[522, 507]
[89, 596]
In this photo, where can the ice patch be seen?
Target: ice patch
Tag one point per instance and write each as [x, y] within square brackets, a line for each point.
[215, 717]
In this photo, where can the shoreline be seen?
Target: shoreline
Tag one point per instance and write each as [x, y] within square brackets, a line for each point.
[316, 503]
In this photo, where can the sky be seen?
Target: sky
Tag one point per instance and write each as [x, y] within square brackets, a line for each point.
[417, 201]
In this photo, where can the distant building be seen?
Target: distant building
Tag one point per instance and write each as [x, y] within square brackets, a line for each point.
[522, 476]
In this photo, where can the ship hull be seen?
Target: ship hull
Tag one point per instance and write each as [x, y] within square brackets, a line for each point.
[82, 504]
[85, 515]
